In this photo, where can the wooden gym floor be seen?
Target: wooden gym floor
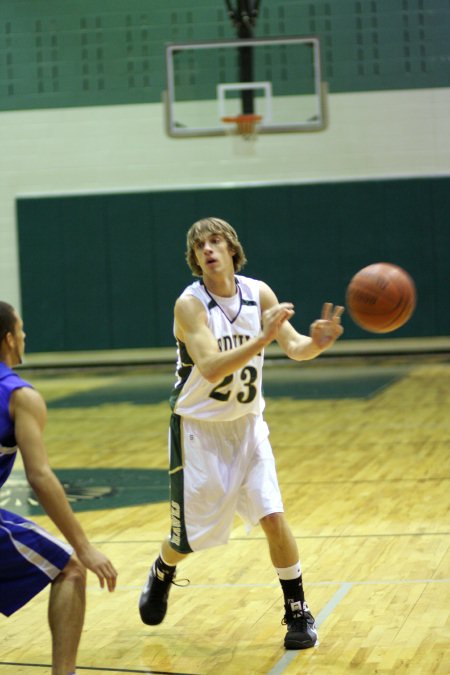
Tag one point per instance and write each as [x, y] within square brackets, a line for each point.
[362, 448]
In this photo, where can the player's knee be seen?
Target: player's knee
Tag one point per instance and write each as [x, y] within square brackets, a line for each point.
[74, 571]
[273, 524]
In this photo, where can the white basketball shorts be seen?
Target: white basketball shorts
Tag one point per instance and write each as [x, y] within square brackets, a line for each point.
[218, 470]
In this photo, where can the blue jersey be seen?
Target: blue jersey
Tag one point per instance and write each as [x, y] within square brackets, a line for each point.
[9, 382]
[30, 558]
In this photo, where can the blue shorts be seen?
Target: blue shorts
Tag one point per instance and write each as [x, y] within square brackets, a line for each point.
[30, 559]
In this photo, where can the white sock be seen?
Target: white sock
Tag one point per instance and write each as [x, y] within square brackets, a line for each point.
[287, 573]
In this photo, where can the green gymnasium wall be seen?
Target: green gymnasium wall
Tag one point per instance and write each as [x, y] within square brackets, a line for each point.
[103, 271]
[102, 52]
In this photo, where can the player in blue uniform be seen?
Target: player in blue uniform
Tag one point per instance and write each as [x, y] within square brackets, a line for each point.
[221, 461]
[30, 557]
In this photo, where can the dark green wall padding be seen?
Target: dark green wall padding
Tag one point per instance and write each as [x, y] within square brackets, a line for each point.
[107, 52]
[103, 272]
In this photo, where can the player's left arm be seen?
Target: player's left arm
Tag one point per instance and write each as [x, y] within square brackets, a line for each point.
[29, 413]
[323, 332]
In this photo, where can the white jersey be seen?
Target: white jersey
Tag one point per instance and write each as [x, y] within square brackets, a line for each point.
[232, 321]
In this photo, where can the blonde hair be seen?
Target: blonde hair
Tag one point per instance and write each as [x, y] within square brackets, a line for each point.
[205, 227]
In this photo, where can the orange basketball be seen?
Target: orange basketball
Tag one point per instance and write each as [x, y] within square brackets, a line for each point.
[381, 297]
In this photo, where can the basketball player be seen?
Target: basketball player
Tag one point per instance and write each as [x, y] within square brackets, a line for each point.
[30, 557]
[221, 461]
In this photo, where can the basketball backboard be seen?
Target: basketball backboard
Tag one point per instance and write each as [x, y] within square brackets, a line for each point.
[277, 78]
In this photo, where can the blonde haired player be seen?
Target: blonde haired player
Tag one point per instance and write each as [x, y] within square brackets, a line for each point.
[221, 461]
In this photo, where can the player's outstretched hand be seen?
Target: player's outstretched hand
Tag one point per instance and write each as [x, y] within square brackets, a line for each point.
[274, 317]
[326, 330]
[98, 563]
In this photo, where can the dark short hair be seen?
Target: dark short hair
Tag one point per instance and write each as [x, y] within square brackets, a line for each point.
[205, 227]
[8, 319]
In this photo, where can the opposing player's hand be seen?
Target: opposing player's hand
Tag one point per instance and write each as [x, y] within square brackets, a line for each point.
[98, 563]
[274, 317]
[326, 330]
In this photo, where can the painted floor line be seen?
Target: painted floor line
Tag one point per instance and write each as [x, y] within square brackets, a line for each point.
[369, 535]
[324, 613]
[275, 584]
[98, 669]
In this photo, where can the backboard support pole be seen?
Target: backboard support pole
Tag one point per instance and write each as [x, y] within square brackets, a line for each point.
[244, 18]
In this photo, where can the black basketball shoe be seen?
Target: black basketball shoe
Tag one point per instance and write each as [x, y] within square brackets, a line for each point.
[154, 596]
[301, 627]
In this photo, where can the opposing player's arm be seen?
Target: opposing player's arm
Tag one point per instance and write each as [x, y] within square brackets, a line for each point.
[191, 328]
[323, 332]
[29, 412]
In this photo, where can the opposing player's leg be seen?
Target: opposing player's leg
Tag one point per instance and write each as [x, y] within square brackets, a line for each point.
[66, 612]
[30, 560]
[301, 628]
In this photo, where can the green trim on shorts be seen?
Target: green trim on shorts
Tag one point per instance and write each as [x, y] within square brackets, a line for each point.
[178, 535]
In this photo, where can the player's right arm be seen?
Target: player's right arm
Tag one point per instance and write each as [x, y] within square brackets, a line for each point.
[191, 328]
[29, 413]
[323, 332]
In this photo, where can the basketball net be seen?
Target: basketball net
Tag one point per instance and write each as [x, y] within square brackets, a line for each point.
[244, 125]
